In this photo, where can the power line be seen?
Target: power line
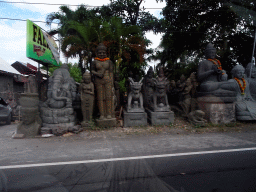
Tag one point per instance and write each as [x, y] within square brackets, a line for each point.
[59, 4]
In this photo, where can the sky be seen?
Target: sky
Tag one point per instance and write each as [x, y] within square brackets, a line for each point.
[13, 32]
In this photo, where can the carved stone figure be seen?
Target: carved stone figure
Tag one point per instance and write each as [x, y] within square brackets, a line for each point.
[135, 98]
[102, 69]
[193, 93]
[57, 110]
[117, 91]
[186, 97]
[148, 88]
[245, 104]
[211, 75]
[160, 100]
[86, 90]
[197, 118]
[30, 85]
[250, 72]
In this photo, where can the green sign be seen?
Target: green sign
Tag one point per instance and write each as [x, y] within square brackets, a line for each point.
[40, 46]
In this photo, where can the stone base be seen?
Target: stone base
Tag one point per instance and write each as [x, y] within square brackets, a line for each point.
[135, 119]
[61, 125]
[18, 136]
[106, 122]
[160, 118]
[217, 112]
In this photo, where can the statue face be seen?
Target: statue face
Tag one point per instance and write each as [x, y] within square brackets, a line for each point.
[239, 73]
[210, 54]
[253, 75]
[101, 54]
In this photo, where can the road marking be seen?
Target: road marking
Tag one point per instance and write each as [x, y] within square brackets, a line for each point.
[126, 158]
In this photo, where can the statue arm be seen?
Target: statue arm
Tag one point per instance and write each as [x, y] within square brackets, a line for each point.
[94, 72]
[203, 73]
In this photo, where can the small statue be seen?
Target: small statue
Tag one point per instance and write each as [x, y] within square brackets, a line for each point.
[102, 69]
[31, 122]
[30, 85]
[211, 75]
[160, 100]
[135, 98]
[86, 90]
[197, 118]
[186, 98]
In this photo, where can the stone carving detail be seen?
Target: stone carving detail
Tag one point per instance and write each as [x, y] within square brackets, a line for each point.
[102, 69]
[197, 118]
[250, 72]
[57, 110]
[30, 85]
[186, 97]
[135, 98]
[86, 90]
[148, 88]
[160, 100]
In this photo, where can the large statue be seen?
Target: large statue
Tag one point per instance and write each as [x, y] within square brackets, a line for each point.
[211, 75]
[57, 110]
[86, 90]
[135, 98]
[245, 104]
[250, 72]
[160, 100]
[102, 69]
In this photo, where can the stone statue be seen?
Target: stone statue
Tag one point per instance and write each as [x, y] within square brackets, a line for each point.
[57, 110]
[186, 97]
[102, 69]
[250, 72]
[117, 90]
[31, 122]
[197, 118]
[148, 88]
[245, 105]
[211, 75]
[193, 92]
[86, 90]
[30, 85]
[135, 98]
[160, 100]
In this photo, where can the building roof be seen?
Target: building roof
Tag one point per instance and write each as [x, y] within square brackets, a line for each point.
[6, 67]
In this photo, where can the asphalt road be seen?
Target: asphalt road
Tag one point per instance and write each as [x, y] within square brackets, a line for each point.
[207, 162]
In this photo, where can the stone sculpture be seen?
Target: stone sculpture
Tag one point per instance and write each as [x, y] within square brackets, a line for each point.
[148, 88]
[250, 72]
[211, 76]
[186, 97]
[160, 100]
[30, 85]
[197, 118]
[117, 91]
[245, 104]
[86, 90]
[194, 104]
[102, 69]
[134, 114]
[135, 98]
[57, 111]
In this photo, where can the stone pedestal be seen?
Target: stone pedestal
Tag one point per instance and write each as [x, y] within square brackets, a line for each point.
[218, 110]
[160, 118]
[135, 119]
[106, 123]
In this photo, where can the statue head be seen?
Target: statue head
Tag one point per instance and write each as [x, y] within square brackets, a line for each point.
[101, 51]
[173, 84]
[87, 77]
[210, 51]
[150, 72]
[161, 72]
[250, 70]
[182, 78]
[188, 82]
[238, 71]
[135, 86]
[64, 66]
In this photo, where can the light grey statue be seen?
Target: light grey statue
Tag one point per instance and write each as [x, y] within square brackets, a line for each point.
[211, 76]
[250, 72]
[135, 98]
[245, 104]
[57, 110]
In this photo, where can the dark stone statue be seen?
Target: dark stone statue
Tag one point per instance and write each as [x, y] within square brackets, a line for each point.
[102, 69]
[86, 90]
[160, 100]
[57, 110]
[148, 88]
[211, 76]
[185, 102]
[135, 98]
[117, 91]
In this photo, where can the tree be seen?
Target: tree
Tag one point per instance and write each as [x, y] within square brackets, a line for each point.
[189, 25]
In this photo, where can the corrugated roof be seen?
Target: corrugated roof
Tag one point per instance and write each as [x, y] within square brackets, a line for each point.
[4, 66]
